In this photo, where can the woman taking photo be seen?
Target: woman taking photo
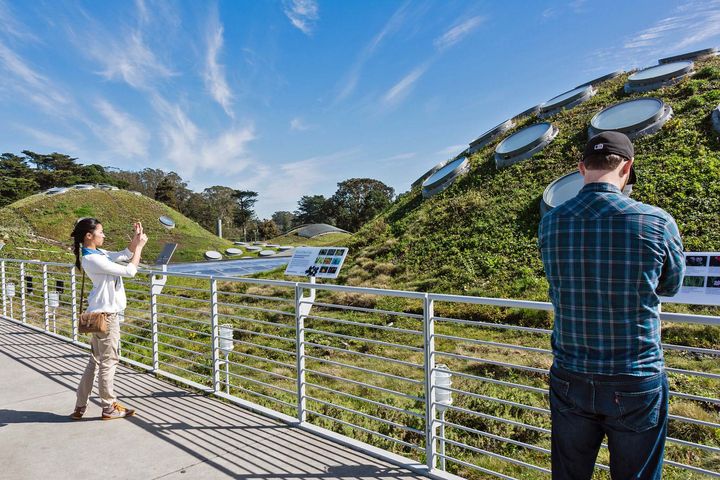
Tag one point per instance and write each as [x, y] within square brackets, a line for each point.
[108, 296]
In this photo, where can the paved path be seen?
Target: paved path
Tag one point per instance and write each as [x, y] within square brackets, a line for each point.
[176, 435]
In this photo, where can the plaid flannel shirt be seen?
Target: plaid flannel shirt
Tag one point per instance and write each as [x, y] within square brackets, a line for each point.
[607, 259]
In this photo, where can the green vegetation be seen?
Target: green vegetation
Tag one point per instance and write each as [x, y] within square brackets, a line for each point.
[44, 222]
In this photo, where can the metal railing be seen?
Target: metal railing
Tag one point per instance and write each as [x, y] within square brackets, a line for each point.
[361, 363]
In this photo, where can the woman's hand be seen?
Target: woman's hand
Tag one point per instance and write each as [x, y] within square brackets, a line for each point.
[141, 240]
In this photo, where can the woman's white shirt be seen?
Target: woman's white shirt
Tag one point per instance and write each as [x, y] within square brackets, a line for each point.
[108, 292]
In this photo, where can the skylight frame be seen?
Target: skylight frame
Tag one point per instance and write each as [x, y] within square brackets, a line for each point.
[430, 188]
[682, 71]
[553, 107]
[522, 153]
[490, 136]
[648, 126]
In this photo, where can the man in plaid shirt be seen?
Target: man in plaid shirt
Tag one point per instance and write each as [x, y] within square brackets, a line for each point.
[608, 258]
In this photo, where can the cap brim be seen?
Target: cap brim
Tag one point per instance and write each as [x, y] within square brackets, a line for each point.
[633, 177]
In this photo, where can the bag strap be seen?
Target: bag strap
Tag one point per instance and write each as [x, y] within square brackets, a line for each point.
[82, 292]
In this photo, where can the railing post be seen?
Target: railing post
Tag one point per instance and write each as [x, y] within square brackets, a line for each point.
[300, 354]
[46, 308]
[23, 287]
[2, 279]
[429, 350]
[74, 303]
[154, 325]
[215, 329]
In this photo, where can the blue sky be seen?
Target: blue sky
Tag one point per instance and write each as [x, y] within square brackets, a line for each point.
[290, 97]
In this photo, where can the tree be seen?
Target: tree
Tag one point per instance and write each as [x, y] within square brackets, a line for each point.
[244, 212]
[357, 201]
[312, 209]
[283, 220]
[165, 193]
[268, 229]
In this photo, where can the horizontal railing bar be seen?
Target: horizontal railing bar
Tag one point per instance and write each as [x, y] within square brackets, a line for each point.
[131, 352]
[258, 382]
[499, 419]
[184, 309]
[141, 319]
[493, 302]
[685, 443]
[706, 351]
[254, 320]
[500, 382]
[496, 400]
[503, 326]
[186, 350]
[256, 309]
[696, 398]
[263, 359]
[692, 373]
[495, 344]
[709, 473]
[367, 385]
[127, 342]
[190, 289]
[360, 339]
[183, 339]
[492, 362]
[495, 437]
[169, 325]
[690, 318]
[133, 325]
[367, 400]
[369, 291]
[184, 319]
[363, 309]
[264, 347]
[184, 360]
[260, 370]
[365, 370]
[258, 297]
[495, 455]
[186, 299]
[475, 467]
[263, 334]
[262, 395]
[679, 418]
[367, 430]
[366, 415]
[127, 334]
[197, 374]
[364, 325]
[367, 355]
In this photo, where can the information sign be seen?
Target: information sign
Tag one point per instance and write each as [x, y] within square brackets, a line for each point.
[701, 285]
[166, 254]
[320, 262]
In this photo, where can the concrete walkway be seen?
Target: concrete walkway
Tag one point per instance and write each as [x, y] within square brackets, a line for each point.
[176, 435]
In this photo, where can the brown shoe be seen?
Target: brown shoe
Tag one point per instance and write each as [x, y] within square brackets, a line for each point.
[117, 411]
[78, 413]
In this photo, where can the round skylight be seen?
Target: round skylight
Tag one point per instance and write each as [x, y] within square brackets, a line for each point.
[252, 248]
[524, 144]
[213, 255]
[240, 243]
[444, 177]
[490, 135]
[272, 245]
[566, 101]
[84, 186]
[285, 248]
[658, 76]
[706, 52]
[56, 191]
[262, 244]
[427, 174]
[603, 78]
[560, 191]
[529, 112]
[233, 251]
[266, 253]
[167, 222]
[634, 118]
[716, 119]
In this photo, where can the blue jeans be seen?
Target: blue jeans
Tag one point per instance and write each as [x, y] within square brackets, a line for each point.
[632, 411]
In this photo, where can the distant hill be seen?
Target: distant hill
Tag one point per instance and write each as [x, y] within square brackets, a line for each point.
[480, 236]
[39, 226]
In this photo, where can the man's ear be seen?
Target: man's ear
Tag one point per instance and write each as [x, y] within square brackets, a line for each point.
[626, 166]
[581, 167]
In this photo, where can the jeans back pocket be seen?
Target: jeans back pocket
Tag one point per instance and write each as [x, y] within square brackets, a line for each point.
[559, 398]
[639, 411]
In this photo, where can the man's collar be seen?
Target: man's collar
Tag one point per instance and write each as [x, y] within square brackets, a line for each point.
[600, 187]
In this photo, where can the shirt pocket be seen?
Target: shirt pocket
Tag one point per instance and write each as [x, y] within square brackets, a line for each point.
[639, 411]
[560, 399]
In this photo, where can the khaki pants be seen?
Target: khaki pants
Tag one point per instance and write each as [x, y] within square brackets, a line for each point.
[104, 348]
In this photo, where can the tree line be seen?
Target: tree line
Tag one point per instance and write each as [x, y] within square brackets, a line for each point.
[355, 202]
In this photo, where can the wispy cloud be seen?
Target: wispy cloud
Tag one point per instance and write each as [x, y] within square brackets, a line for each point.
[458, 32]
[123, 135]
[692, 23]
[11, 27]
[350, 81]
[297, 124]
[302, 14]
[190, 149]
[397, 158]
[451, 150]
[214, 74]
[25, 82]
[402, 88]
[52, 141]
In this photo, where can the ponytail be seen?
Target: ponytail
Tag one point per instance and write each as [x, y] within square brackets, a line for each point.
[82, 227]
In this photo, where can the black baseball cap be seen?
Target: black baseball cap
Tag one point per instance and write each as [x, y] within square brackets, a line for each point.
[606, 143]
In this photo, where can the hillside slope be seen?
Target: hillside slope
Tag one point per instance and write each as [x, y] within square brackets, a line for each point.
[479, 236]
[39, 226]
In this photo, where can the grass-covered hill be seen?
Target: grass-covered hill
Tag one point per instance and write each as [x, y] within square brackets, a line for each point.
[479, 236]
[39, 226]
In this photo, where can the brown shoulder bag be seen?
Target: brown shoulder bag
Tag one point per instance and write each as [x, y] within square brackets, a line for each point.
[91, 322]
